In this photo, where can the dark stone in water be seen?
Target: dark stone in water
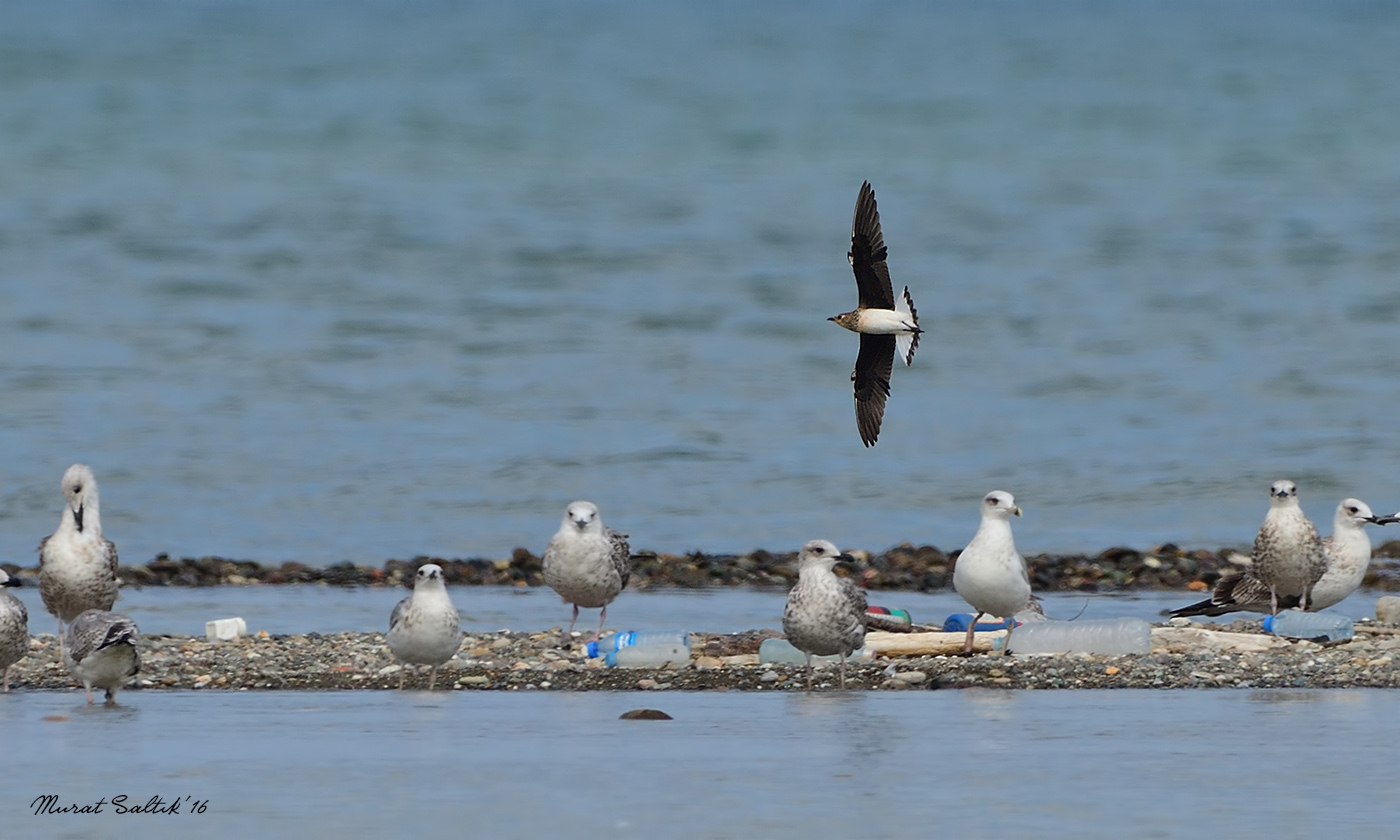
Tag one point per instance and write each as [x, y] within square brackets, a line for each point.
[645, 714]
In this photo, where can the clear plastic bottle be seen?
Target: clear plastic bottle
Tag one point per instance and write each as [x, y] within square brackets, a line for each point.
[782, 652]
[614, 642]
[1297, 624]
[651, 655]
[1108, 637]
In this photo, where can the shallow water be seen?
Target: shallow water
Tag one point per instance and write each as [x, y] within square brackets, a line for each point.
[1091, 764]
[326, 609]
[325, 281]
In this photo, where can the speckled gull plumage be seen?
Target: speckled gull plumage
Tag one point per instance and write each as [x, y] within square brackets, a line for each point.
[99, 648]
[989, 573]
[1289, 557]
[425, 628]
[1348, 552]
[14, 629]
[824, 614]
[77, 565]
[586, 562]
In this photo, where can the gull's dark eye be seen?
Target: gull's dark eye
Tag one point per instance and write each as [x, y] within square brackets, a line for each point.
[1353, 510]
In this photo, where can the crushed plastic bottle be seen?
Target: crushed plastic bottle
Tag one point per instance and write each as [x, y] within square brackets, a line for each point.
[782, 652]
[1109, 637]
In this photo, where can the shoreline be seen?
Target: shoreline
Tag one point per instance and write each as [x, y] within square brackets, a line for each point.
[903, 567]
[1237, 656]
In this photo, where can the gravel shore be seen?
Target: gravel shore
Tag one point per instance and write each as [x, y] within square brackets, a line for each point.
[542, 662]
[904, 567]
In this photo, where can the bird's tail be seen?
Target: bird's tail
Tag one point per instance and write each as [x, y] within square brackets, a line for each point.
[907, 342]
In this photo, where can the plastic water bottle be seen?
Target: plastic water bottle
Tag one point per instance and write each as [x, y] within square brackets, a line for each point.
[614, 642]
[652, 655]
[1297, 624]
[1109, 637]
[781, 652]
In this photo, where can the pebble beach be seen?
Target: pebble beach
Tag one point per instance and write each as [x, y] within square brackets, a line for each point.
[509, 661]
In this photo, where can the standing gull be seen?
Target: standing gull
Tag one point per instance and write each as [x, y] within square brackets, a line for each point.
[425, 628]
[1348, 556]
[77, 566]
[1289, 557]
[989, 574]
[586, 562]
[99, 648]
[883, 321]
[825, 614]
[14, 629]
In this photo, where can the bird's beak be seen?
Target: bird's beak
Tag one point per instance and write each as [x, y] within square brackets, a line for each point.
[78, 516]
[845, 558]
[1016, 511]
[832, 318]
[1386, 520]
[12, 582]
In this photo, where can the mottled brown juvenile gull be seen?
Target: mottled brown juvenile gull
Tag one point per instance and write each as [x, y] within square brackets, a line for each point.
[885, 322]
[99, 648]
[825, 614]
[425, 628]
[1289, 558]
[1348, 556]
[989, 574]
[586, 562]
[14, 628]
[77, 565]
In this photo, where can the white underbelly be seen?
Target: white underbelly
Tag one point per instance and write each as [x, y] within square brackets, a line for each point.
[884, 322]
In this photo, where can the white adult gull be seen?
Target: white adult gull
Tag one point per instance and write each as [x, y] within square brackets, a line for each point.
[586, 562]
[1289, 557]
[1348, 553]
[99, 648]
[14, 629]
[885, 323]
[77, 565]
[989, 574]
[425, 628]
[824, 614]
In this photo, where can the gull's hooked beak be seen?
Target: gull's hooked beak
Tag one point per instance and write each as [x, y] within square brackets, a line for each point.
[78, 516]
[12, 582]
[1386, 520]
[843, 557]
[1016, 510]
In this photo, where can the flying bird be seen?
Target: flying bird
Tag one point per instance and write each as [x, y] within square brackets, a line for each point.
[885, 323]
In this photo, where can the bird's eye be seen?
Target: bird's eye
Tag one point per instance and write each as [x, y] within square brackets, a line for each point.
[1353, 510]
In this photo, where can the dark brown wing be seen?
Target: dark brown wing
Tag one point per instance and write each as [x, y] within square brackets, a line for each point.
[867, 254]
[872, 381]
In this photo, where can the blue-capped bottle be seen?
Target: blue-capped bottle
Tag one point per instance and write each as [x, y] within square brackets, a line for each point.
[1296, 624]
[615, 642]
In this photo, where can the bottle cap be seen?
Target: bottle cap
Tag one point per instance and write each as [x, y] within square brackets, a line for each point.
[1268, 624]
[592, 648]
